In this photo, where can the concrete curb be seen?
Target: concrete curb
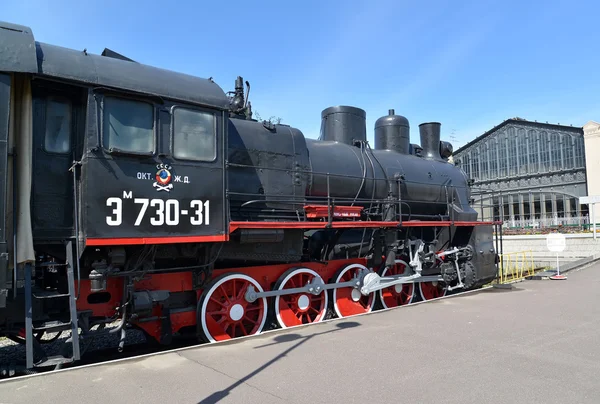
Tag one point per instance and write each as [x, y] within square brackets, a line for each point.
[565, 268]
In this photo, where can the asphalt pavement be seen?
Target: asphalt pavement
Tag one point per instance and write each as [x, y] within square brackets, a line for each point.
[536, 343]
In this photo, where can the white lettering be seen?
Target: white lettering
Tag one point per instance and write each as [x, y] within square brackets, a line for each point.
[172, 210]
[160, 211]
[186, 180]
[144, 176]
[140, 217]
[206, 215]
[197, 219]
[177, 178]
[164, 212]
[117, 211]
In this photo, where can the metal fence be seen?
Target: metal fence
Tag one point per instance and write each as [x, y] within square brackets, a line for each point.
[547, 221]
[515, 266]
[487, 204]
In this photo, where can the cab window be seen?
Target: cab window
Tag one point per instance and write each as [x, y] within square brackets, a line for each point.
[194, 135]
[57, 138]
[128, 125]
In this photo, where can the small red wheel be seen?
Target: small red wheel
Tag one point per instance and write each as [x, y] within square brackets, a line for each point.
[431, 290]
[299, 308]
[224, 311]
[400, 294]
[349, 301]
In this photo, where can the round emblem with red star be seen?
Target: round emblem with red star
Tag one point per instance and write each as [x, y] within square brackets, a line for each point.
[163, 176]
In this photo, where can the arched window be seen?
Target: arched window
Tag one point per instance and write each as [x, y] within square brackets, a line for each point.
[493, 165]
[467, 164]
[502, 154]
[568, 151]
[579, 152]
[532, 142]
[475, 162]
[544, 152]
[512, 151]
[555, 157]
[522, 148]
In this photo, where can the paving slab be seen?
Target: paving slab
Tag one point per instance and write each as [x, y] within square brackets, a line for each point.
[538, 342]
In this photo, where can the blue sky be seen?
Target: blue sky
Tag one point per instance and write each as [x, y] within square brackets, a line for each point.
[468, 65]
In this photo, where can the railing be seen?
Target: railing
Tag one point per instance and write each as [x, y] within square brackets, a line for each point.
[539, 221]
[515, 266]
[291, 207]
[487, 203]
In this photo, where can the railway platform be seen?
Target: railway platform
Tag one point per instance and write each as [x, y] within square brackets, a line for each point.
[535, 343]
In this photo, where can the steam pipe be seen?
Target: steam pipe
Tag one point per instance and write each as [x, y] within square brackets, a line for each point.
[15, 184]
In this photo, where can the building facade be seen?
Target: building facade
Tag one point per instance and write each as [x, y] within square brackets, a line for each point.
[528, 174]
[591, 134]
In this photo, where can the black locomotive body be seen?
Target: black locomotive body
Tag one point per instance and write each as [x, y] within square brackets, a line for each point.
[152, 198]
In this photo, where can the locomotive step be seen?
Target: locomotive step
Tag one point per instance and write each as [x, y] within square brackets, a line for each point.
[49, 294]
[51, 264]
[53, 361]
[53, 326]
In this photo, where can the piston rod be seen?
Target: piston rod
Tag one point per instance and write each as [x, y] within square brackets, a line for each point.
[371, 282]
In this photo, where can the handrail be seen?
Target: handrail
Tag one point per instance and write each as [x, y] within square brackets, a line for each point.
[297, 202]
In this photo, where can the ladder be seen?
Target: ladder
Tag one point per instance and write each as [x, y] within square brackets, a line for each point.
[31, 344]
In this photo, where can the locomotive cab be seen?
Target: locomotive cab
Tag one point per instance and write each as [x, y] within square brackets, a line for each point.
[103, 151]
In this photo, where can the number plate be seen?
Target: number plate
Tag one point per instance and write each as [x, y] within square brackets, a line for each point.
[158, 212]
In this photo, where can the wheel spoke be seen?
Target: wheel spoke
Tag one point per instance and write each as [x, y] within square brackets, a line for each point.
[396, 295]
[212, 299]
[237, 316]
[292, 310]
[431, 291]
[224, 293]
[349, 301]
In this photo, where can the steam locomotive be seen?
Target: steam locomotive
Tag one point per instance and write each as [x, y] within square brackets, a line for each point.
[152, 199]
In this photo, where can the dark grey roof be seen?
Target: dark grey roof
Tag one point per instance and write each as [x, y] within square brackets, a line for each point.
[522, 122]
[16, 51]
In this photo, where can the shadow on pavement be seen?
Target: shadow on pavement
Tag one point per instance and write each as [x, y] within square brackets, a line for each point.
[219, 395]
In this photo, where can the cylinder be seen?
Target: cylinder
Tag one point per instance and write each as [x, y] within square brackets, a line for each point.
[343, 124]
[392, 132]
[430, 140]
[97, 281]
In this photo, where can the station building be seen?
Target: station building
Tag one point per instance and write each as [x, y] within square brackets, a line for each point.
[533, 174]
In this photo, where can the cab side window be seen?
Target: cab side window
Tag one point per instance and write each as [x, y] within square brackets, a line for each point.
[194, 135]
[128, 125]
[57, 138]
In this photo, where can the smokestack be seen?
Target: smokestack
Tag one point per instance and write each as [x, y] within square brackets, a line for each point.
[430, 140]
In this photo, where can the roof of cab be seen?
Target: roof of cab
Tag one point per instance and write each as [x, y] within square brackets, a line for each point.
[19, 52]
